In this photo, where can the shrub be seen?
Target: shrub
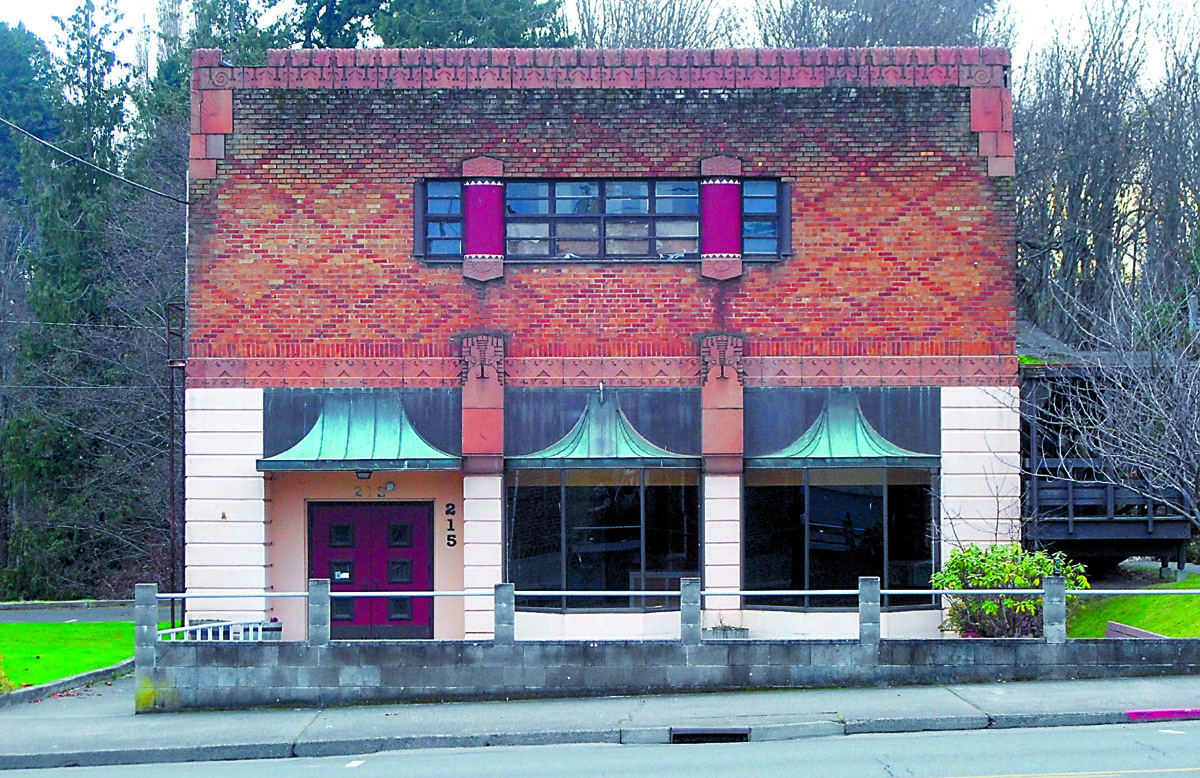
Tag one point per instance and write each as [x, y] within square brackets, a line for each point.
[6, 685]
[1000, 567]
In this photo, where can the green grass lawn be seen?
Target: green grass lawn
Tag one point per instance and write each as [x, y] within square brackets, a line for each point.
[34, 653]
[1177, 617]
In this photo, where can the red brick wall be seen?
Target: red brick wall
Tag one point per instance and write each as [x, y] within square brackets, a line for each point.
[301, 241]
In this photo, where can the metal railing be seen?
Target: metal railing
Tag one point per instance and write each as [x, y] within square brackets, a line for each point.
[222, 631]
[690, 595]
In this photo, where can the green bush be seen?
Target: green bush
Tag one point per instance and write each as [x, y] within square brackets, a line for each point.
[1000, 567]
[6, 685]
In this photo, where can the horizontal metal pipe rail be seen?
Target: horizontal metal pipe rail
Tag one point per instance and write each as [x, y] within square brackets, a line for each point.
[227, 595]
[670, 593]
[1127, 592]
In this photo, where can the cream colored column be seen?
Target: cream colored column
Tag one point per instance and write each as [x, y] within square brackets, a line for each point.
[483, 556]
[225, 511]
[981, 454]
[722, 546]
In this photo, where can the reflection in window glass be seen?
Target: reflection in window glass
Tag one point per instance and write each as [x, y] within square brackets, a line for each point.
[826, 533]
[443, 215]
[773, 534]
[845, 531]
[910, 534]
[534, 533]
[760, 216]
[625, 530]
[666, 212]
[444, 237]
[603, 533]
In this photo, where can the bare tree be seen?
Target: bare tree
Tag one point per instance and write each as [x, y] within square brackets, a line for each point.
[1171, 185]
[1131, 401]
[797, 23]
[1081, 156]
[655, 24]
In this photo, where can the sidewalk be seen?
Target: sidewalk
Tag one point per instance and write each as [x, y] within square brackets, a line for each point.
[98, 726]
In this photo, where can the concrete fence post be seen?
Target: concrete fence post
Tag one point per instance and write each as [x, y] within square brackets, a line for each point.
[505, 629]
[1054, 609]
[868, 611]
[689, 611]
[145, 627]
[318, 611]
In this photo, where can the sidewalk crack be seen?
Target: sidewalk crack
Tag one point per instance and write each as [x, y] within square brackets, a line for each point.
[304, 730]
[990, 720]
[628, 718]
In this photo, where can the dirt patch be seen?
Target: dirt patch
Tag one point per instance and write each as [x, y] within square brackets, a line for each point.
[1124, 577]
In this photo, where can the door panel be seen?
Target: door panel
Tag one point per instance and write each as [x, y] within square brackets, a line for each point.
[375, 547]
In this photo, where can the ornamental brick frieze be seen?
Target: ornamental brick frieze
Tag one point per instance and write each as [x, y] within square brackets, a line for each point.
[984, 71]
[880, 371]
[589, 371]
[424, 372]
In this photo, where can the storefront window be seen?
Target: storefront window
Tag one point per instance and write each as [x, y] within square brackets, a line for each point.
[609, 530]
[821, 529]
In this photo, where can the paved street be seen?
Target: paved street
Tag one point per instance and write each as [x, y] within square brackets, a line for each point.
[1135, 750]
[63, 615]
[97, 726]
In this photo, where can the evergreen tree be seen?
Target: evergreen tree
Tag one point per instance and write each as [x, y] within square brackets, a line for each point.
[473, 23]
[49, 448]
[28, 97]
[800, 23]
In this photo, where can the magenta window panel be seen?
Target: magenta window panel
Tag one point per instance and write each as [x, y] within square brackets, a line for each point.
[374, 547]
[483, 218]
[720, 217]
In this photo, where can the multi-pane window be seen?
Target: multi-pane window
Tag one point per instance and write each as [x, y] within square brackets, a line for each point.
[821, 529]
[444, 218]
[635, 219]
[602, 219]
[760, 217]
[619, 532]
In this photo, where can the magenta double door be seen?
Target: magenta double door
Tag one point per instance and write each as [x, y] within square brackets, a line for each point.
[374, 547]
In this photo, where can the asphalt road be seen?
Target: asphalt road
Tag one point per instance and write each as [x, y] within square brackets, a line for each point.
[64, 615]
[1133, 750]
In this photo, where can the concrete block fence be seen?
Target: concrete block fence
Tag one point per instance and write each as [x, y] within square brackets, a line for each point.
[181, 675]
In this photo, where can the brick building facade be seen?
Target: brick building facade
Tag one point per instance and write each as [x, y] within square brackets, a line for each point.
[596, 321]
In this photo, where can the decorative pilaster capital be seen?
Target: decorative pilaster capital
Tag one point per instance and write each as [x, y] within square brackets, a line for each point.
[722, 354]
[481, 357]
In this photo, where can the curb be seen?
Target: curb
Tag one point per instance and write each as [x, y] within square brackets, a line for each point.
[129, 756]
[648, 734]
[917, 724]
[53, 605]
[41, 691]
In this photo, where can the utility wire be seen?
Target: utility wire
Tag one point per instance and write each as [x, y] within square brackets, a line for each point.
[97, 168]
[77, 324]
[78, 388]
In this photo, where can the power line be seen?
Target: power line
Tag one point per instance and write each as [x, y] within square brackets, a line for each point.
[77, 324]
[78, 388]
[97, 168]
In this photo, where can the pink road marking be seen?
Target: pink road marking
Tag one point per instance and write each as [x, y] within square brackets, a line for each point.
[1163, 715]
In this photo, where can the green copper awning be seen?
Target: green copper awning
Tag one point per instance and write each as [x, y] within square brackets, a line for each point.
[363, 431]
[842, 437]
[603, 437]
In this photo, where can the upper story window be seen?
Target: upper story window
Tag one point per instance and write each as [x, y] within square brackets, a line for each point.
[589, 220]
[760, 217]
[602, 219]
[444, 218]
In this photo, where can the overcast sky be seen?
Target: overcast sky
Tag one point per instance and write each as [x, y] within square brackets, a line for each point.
[1037, 19]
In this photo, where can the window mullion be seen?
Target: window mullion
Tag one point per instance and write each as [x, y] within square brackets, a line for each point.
[642, 530]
